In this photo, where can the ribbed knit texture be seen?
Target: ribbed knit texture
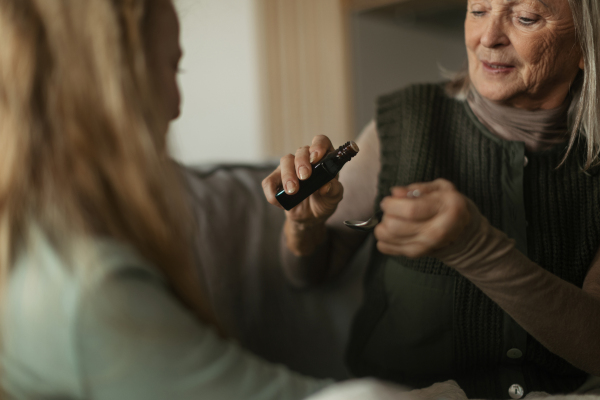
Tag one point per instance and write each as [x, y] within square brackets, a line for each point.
[426, 135]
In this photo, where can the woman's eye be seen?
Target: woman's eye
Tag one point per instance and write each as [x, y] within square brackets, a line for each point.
[478, 13]
[526, 21]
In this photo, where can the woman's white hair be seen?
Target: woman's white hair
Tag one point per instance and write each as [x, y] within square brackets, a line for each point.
[584, 112]
[585, 108]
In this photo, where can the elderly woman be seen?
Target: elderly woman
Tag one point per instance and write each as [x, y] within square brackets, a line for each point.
[491, 275]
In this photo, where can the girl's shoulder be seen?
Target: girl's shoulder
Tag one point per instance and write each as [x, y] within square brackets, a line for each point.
[42, 307]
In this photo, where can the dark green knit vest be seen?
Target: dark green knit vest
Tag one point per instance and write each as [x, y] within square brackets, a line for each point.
[422, 322]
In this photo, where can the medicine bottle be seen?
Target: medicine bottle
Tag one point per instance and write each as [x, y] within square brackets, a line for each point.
[322, 172]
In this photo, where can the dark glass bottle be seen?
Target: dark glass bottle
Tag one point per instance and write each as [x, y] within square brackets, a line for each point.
[322, 172]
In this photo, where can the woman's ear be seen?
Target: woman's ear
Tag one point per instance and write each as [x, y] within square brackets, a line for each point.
[581, 63]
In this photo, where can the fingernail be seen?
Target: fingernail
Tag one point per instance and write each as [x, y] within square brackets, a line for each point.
[290, 187]
[313, 155]
[328, 188]
[303, 173]
[414, 193]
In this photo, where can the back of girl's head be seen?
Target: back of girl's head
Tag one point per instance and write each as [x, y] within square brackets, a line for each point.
[82, 149]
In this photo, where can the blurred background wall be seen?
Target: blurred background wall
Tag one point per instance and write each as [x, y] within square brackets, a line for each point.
[262, 77]
[221, 116]
[403, 44]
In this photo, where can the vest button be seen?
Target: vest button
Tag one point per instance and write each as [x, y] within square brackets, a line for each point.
[525, 161]
[515, 391]
[514, 353]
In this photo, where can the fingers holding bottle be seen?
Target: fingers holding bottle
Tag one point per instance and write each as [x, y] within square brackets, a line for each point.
[321, 146]
[294, 168]
[297, 167]
[309, 177]
[307, 156]
[323, 171]
[322, 203]
[289, 179]
[302, 164]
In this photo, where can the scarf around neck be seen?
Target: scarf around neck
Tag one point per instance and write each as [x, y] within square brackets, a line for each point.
[539, 130]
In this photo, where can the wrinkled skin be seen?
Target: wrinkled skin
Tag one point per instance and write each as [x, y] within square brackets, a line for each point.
[522, 53]
[535, 44]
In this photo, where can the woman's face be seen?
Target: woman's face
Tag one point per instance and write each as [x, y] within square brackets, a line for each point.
[164, 53]
[522, 53]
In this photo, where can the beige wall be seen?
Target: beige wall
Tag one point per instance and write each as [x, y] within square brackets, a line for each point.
[262, 77]
[222, 109]
[306, 73]
[392, 52]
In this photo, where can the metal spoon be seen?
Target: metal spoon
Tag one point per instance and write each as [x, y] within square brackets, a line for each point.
[365, 226]
[371, 223]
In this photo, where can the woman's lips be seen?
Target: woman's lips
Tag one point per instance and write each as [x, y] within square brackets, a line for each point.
[497, 68]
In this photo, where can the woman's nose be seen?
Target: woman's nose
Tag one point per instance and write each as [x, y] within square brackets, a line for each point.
[493, 34]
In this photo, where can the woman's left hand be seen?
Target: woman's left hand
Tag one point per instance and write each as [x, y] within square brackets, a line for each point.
[421, 218]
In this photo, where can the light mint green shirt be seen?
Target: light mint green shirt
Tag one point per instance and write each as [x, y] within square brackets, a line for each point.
[107, 327]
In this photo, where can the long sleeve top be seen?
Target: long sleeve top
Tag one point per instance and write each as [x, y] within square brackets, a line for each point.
[107, 326]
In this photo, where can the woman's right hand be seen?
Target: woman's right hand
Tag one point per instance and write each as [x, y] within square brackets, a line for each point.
[293, 168]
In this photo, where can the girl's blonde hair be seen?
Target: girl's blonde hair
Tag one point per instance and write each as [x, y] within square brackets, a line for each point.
[82, 153]
[584, 112]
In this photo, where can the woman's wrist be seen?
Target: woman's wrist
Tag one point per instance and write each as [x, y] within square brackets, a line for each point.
[305, 270]
[303, 237]
[478, 245]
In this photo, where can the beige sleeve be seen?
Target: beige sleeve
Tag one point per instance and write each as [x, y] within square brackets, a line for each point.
[359, 177]
[561, 316]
